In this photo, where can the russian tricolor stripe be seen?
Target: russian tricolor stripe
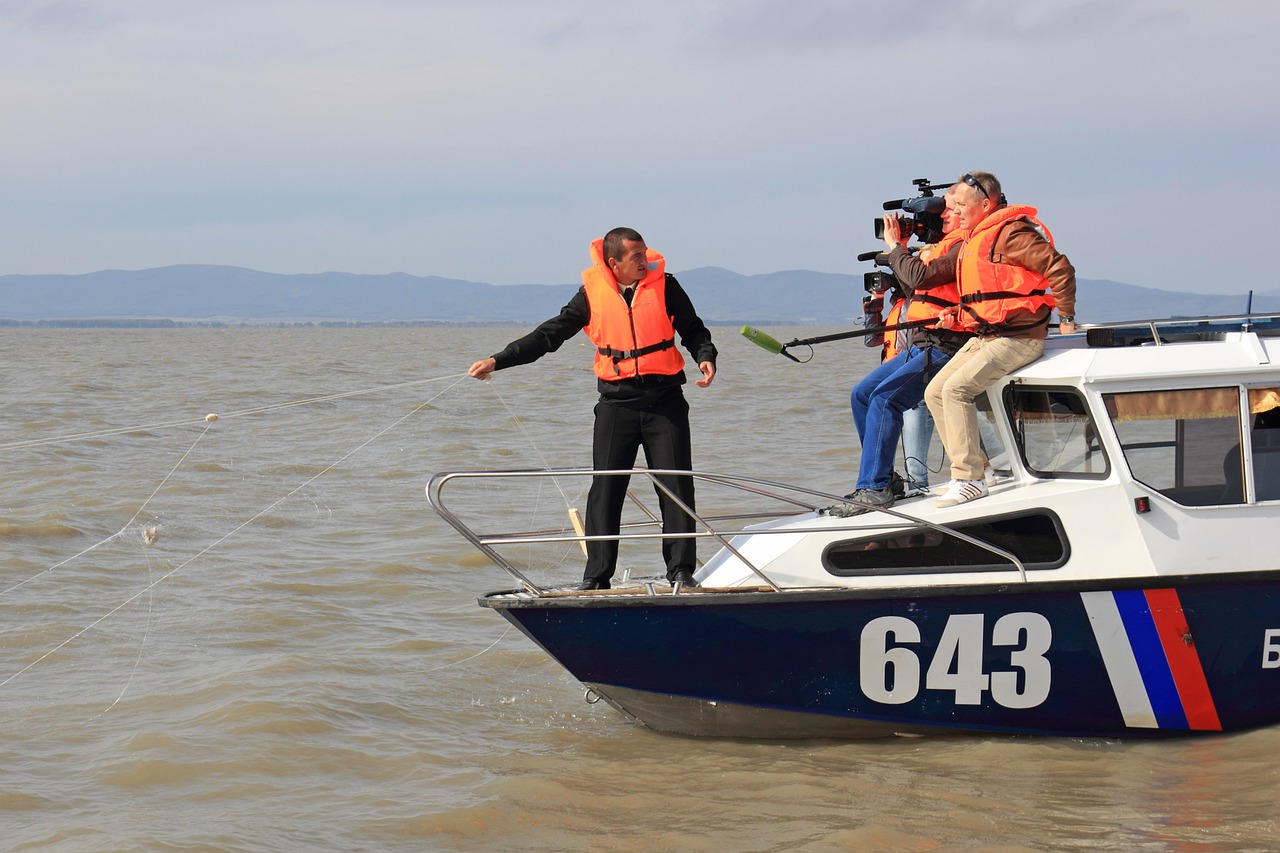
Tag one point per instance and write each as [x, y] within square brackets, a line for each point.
[1148, 651]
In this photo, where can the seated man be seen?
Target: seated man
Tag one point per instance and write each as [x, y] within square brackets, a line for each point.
[1010, 277]
[917, 423]
[882, 399]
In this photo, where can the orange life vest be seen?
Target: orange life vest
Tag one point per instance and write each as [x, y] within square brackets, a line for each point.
[636, 339]
[927, 304]
[991, 291]
[893, 337]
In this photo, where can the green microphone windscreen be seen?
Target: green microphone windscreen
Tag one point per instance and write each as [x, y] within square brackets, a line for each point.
[759, 338]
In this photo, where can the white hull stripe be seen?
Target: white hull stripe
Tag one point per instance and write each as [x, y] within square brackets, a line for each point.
[1118, 656]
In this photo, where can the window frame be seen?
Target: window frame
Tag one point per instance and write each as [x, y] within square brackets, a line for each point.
[1097, 445]
[1182, 451]
[966, 527]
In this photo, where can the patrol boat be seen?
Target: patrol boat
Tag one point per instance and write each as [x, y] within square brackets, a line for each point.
[1119, 581]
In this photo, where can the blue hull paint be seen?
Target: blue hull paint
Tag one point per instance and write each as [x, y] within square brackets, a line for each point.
[998, 658]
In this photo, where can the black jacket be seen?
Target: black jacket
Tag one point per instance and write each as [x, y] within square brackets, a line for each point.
[573, 318]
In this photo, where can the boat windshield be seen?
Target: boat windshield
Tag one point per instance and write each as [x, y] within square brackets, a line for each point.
[1055, 433]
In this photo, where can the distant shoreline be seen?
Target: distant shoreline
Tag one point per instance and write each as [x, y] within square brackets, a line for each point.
[154, 323]
[151, 323]
[222, 297]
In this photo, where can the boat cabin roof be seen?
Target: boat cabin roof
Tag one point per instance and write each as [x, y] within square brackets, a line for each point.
[1179, 353]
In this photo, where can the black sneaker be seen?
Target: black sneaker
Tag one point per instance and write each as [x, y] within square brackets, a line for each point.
[865, 500]
[897, 485]
[593, 583]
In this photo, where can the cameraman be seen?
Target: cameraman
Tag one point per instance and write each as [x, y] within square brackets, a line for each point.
[893, 342]
[917, 424]
[882, 399]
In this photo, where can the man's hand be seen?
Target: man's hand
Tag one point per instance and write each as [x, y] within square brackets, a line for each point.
[483, 368]
[893, 232]
[708, 373]
[947, 318]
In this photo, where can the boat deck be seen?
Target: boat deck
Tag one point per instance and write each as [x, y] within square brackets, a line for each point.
[636, 588]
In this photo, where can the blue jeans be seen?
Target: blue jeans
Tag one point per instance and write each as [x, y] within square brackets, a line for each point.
[917, 432]
[878, 402]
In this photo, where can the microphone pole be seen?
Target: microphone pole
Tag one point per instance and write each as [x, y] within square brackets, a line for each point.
[775, 346]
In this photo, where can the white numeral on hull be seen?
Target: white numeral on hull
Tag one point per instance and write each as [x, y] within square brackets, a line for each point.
[889, 670]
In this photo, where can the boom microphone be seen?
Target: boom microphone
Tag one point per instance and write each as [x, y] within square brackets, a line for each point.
[765, 341]
[760, 339]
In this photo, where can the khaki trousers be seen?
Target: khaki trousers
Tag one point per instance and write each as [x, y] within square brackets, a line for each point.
[949, 396]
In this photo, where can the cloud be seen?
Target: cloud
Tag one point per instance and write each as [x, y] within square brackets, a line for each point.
[913, 31]
[58, 17]
[751, 134]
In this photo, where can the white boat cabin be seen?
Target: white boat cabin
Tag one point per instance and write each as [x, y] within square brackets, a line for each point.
[1136, 450]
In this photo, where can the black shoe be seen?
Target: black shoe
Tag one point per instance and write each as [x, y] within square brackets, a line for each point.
[683, 577]
[594, 583]
[897, 485]
[865, 500]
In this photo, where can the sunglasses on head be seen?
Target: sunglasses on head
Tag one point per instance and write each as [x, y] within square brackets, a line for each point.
[973, 182]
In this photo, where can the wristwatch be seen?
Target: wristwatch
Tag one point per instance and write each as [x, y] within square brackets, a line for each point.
[1066, 318]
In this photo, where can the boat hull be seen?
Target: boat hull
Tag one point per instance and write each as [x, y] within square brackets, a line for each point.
[1139, 659]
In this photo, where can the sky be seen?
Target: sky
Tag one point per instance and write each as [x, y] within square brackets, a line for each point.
[492, 140]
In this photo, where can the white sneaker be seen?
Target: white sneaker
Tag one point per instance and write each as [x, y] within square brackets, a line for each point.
[963, 491]
[989, 477]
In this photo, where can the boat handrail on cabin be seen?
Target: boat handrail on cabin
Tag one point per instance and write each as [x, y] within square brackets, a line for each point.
[1178, 329]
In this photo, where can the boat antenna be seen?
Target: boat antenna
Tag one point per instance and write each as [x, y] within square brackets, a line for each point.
[1248, 311]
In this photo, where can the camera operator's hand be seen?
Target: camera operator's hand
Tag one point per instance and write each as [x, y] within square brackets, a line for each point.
[893, 232]
[873, 304]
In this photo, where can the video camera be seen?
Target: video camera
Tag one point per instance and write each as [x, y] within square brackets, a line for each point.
[924, 219]
[878, 281]
[924, 222]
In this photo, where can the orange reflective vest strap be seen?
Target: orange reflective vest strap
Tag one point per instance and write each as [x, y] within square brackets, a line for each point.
[636, 339]
[927, 304]
[991, 292]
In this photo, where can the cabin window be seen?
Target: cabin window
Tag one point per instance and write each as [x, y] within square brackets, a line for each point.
[1183, 444]
[1036, 538]
[1055, 434]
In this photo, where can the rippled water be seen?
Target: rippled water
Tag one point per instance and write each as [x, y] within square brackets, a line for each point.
[297, 661]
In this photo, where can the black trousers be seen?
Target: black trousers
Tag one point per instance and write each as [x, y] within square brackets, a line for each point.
[663, 432]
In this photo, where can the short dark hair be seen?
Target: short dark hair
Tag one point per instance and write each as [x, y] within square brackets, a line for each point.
[613, 249]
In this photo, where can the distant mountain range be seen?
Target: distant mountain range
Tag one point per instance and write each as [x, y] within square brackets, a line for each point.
[223, 294]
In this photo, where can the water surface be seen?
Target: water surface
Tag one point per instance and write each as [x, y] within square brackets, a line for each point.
[297, 662]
